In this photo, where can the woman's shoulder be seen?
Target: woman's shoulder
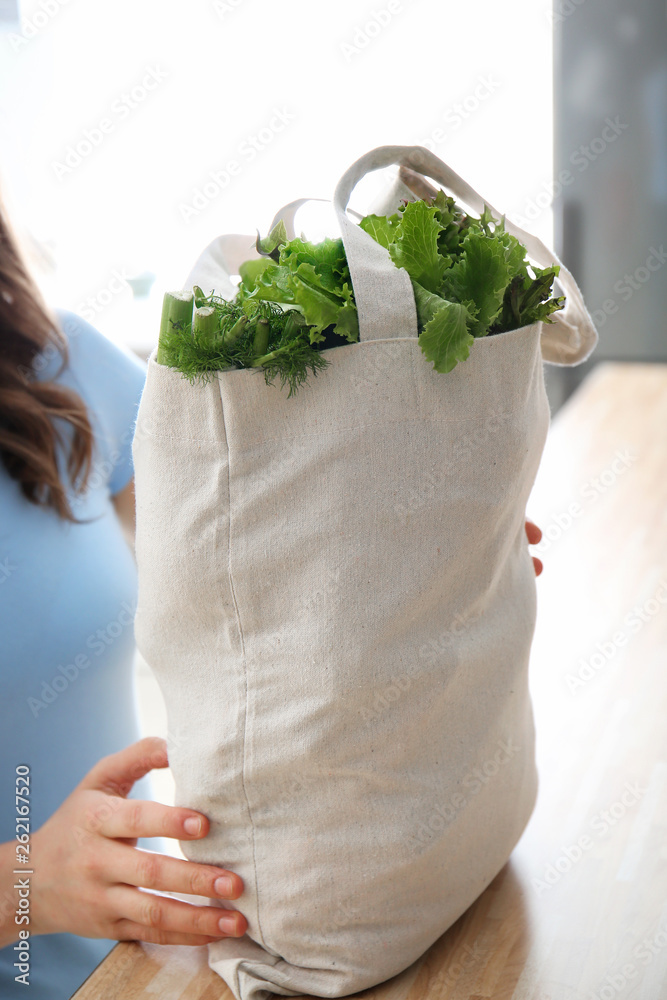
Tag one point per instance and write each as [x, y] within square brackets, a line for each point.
[87, 347]
[105, 374]
[110, 380]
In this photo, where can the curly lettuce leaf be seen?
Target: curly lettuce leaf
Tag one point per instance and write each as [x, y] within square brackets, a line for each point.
[318, 308]
[251, 269]
[322, 307]
[383, 228]
[480, 274]
[326, 258]
[470, 278]
[272, 284]
[445, 336]
[449, 216]
[446, 340]
[515, 252]
[528, 300]
[311, 277]
[416, 245]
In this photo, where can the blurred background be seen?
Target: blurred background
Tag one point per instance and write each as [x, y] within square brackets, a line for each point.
[132, 134]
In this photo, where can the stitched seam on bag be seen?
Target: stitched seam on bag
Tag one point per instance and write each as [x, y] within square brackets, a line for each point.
[245, 672]
[415, 387]
[328, 432]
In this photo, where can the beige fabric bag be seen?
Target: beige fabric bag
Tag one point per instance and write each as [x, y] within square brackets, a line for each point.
[338, 600]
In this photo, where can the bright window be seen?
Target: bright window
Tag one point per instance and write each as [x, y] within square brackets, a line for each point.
[119, 121]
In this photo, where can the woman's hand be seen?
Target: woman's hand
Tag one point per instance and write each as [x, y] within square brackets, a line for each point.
[534, 535]
[89, 874]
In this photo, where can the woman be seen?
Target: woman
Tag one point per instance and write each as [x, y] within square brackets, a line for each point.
[68, 401]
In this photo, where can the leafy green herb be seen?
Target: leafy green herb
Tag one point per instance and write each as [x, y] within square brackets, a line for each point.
[225, 334]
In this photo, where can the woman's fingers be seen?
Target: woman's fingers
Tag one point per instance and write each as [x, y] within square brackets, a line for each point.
[117, 773]
[173, 916]
[128, 819]
[158, 871]
[533, 533]
[126, 930]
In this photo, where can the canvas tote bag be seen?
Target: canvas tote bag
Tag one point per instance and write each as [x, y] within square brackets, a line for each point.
[338, 601]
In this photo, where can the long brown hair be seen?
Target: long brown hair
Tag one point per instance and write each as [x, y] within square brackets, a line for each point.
[29, 438]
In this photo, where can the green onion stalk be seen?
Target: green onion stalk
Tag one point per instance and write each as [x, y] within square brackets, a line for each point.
[176, 317]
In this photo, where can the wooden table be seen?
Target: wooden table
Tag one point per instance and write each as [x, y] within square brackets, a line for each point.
[580, 910]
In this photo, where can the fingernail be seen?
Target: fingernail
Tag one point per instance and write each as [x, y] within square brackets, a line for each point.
[224, 886]
[227, 925]
[192, 825]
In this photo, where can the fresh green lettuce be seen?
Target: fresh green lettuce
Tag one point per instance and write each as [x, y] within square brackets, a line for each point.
[471, 278]
[456, 259]
[416, 246]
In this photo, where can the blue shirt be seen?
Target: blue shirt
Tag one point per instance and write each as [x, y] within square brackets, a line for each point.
[67, 600]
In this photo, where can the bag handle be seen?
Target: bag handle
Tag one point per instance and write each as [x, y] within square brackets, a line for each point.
[221, 258]
[288, 212]
[386, 302]
[225, 254]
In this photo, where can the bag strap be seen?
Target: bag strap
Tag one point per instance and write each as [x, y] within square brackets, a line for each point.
[382, 292]
[385, 301]
[221, 258]
[225, 254]
[287, 213]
